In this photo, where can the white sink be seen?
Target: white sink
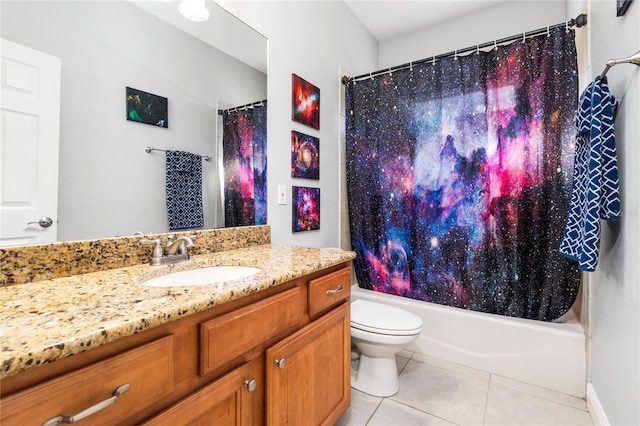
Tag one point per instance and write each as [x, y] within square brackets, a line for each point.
[203, 276]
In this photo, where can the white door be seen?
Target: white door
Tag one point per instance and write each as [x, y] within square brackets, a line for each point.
[29, 132]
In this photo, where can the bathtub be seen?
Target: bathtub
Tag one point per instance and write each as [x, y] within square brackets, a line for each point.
[549, 355]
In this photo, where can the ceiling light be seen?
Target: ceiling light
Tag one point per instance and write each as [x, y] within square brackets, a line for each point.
[194, 10]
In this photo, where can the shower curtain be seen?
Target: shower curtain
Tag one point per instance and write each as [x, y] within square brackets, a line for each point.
[244, 150]
[459, 177]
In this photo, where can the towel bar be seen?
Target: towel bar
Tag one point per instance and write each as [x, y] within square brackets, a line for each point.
[149, 149]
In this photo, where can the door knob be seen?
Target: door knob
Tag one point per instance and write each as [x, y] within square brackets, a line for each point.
[45, 222]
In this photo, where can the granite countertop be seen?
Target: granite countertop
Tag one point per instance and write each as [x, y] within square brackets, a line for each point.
[47, 320]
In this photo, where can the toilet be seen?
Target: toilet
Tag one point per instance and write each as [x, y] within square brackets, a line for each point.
[379, 332]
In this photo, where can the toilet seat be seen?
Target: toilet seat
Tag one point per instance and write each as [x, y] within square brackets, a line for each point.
[377, 318]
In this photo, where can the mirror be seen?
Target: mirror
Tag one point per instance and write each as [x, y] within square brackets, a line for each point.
[109, 186]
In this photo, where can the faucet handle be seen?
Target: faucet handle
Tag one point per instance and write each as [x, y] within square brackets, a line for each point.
[157, 247]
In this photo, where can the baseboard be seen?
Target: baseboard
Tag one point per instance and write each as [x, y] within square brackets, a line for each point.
[596, 411]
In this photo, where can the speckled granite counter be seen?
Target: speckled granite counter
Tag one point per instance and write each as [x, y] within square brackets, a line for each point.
[24, 264]
[46, 320]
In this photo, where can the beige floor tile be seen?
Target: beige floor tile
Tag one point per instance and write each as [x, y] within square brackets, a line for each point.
[360, 411]
[451, 366]
[401, 362]
[435, 391]
[456, 395]
[550, 395]
[405, 354]
[506, 406]
[391, 413]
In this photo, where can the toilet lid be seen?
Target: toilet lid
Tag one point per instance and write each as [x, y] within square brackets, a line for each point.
[383, 319]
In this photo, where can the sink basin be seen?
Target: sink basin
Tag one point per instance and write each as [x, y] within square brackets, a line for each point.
[203, 276]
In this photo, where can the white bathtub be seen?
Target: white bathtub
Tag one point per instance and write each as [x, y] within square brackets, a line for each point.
[550, 355]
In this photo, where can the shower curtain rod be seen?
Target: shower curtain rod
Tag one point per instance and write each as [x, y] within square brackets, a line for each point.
[579, 21]
[240, 108]
[149, 149]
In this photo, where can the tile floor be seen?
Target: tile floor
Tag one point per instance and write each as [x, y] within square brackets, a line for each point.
[438, 392]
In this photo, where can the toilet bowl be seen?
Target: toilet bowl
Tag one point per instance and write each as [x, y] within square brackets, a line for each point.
[379, 332]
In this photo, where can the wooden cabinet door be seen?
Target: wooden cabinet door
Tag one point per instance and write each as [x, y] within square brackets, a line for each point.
[234, 399]
[308, 373]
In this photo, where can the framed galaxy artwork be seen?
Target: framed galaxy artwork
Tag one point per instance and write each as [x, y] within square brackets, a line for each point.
[305, 104]
[622, 6]
[147, 108]
[306, 208]
[305, 156]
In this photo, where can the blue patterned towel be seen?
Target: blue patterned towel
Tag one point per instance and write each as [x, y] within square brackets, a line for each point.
[595, 192]
[184, 190]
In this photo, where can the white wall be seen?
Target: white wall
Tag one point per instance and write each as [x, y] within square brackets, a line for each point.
[501, 20]
[108, 184]
[614, 288]
[311, 39]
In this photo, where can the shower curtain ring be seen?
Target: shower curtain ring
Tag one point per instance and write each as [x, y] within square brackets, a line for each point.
[455, 55]
[566, 27]
[433, 61]
[524, 37]
[477, 49]
[495, 44]
[548, 33]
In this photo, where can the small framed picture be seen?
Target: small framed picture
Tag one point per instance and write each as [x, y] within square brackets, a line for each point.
[306, 208]
[147, 108]
[305, 103]
[305, 156]
[622, 6]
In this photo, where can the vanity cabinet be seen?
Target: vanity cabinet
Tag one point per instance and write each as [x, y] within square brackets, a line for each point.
[234, 399]
[281, 356]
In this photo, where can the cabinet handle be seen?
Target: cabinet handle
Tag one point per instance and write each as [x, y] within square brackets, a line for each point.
[89, 411]
[280, 363]
[336, 290]
[251, 385]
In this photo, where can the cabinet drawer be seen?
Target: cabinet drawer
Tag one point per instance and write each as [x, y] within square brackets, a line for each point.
[148, 369]
[227, 337]
[329, 290]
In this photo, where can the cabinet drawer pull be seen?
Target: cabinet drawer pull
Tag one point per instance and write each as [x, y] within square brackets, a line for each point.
[280, 363]
[251, 385]
[336, 290]
[89, 411]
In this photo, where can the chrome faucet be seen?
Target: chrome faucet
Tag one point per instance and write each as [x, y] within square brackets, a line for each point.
[180, 245]
[175, 250]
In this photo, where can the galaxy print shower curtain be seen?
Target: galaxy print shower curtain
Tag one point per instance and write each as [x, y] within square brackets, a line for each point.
[244, 150]
[459, 178]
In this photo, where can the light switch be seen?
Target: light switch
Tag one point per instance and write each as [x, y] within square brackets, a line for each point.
[282, 194]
